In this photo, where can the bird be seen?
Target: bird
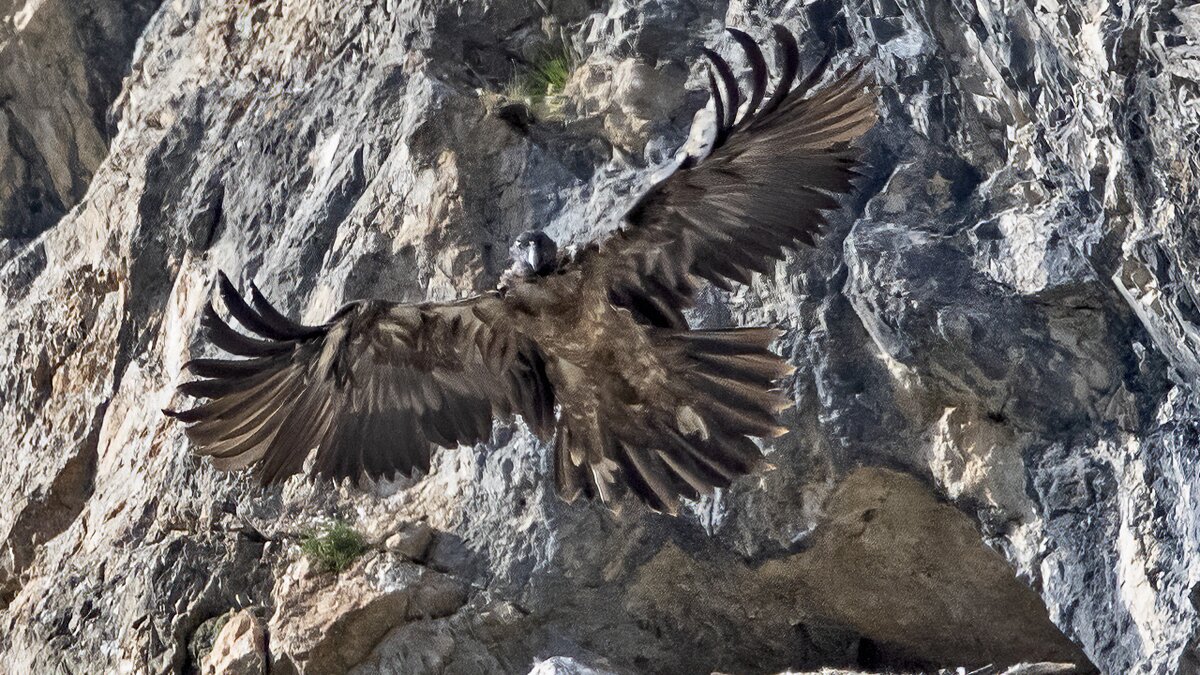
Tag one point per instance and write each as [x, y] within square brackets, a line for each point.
[590, 348]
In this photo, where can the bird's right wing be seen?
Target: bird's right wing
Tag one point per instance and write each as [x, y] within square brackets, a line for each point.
[370, 392]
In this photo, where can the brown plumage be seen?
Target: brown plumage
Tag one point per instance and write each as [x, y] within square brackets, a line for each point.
[592, 351]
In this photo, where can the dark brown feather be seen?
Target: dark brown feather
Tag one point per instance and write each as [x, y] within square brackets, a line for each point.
[758, 67]
[246, 315]
[785, 42]
[277, 321]
[227, 339]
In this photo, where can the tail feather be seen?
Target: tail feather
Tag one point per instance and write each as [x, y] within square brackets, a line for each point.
[717, 466]
[651, 479]
[572, 479]
[695, 438]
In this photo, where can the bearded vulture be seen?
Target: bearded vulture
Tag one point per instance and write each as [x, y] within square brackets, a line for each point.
[591, 349]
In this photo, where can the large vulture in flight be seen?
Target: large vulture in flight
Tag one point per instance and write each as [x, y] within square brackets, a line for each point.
[592, 350]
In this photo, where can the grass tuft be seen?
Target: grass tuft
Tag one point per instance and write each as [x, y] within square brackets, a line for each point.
[541, 82]
[334, 547]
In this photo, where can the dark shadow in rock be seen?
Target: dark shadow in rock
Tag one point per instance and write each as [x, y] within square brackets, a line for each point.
[891, 578]
[160, 235]
[18, 272]
[450, 554]
[909, 572]
[51, 510]
[210, 576]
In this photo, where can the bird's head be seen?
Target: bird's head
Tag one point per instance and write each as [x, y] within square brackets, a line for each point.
[534, 253]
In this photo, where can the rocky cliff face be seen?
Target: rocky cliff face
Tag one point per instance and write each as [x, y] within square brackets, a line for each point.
[995, 442]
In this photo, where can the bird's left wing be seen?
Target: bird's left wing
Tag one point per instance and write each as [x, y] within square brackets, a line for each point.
[370, 392]
[769, 175]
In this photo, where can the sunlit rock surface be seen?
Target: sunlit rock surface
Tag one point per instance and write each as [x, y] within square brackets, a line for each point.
[995, 445]
[239, 648]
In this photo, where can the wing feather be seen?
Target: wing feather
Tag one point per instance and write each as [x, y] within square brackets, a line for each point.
[758, 66]
[247, 316]
[277, 321]
[789, 65]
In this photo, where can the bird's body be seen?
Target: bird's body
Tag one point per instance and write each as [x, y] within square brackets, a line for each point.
[574, 321]
[592, 350]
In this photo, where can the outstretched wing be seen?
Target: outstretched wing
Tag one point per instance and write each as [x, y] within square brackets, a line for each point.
[371, 391]
[761, 189]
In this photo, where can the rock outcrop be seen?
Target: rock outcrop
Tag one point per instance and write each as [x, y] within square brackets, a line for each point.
[996, 438]
[239, 648]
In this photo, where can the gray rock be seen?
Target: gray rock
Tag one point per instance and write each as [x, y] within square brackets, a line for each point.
[994, 449]
[61, 65]
[560, 665]
[239, 648]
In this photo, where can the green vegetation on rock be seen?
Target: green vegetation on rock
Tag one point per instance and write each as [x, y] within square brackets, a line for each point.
[333, 547]
[541, 82]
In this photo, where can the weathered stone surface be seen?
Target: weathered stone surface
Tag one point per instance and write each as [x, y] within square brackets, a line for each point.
[326, 623]
[564, 666]
[411, 542]
[61, 64]
[240, 648]
[997, 342]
